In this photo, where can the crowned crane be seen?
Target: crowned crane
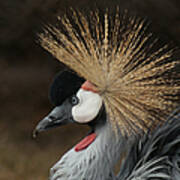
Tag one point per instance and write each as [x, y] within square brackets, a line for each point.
[153, 155]
[125, 88]
[100, 148]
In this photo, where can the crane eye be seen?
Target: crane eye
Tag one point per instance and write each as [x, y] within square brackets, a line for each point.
[74, 100]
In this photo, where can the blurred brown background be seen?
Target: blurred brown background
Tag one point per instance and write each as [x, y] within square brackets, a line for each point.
[26, 71]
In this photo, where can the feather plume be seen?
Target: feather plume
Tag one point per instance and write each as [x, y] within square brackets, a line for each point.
[139, 84]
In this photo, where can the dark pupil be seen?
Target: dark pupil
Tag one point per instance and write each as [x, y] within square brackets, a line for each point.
[74, 100]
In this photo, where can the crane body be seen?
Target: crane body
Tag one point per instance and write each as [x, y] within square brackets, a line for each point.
[96, 162]
[125, 83]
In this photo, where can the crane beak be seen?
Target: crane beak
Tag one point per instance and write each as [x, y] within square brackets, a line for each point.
[56, 117]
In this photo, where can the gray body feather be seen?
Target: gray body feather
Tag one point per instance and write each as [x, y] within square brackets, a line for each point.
[154, 156]
[93, 163]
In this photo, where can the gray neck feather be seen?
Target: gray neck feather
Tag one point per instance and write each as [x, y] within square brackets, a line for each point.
[93, 163]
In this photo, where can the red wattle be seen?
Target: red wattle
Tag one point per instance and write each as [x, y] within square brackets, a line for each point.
[85, 142]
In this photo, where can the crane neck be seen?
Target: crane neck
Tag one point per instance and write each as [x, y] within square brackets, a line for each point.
[97, 161]
[111, 145]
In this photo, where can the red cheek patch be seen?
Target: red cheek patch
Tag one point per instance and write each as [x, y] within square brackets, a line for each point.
[85, 142]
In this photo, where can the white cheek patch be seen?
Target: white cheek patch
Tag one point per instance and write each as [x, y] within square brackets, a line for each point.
[88, 107]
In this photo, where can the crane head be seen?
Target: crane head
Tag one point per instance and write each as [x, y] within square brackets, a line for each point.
[75, 100]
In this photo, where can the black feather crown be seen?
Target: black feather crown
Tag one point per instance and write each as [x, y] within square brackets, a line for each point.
[64, 85]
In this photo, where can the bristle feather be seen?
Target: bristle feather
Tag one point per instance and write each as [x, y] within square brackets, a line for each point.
[138, 82]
